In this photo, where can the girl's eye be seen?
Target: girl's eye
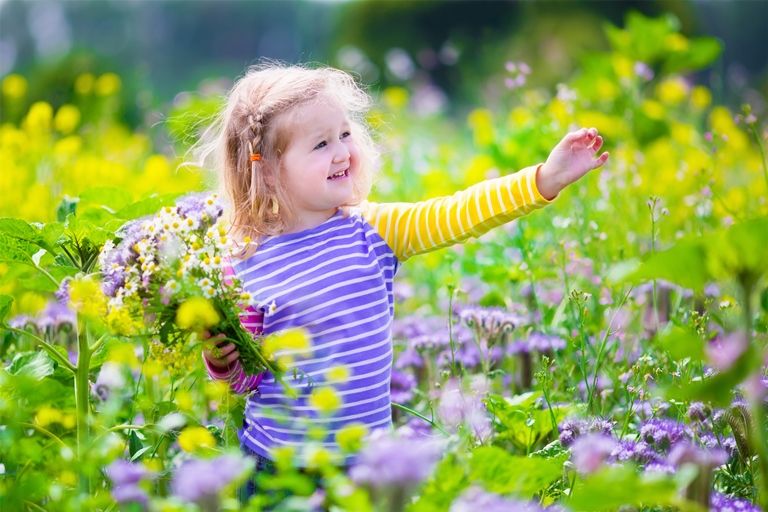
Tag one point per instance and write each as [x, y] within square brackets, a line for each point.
[345, 134]
[322, 144]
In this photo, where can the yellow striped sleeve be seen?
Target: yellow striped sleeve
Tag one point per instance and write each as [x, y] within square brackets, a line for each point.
[415, 228]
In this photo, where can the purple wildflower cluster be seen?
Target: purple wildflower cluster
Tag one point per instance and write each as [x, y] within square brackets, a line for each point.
[537, 342]
[722, 503]
[377, 468]
[201, 481]
[126, 477]
[56, 314]
[573, 428]
[491, 325]
[475, 498]
[464, 407]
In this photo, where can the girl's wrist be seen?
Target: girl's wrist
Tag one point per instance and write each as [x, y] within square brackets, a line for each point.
[546, 184]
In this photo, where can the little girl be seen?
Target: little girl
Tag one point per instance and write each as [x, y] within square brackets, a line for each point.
[296, 160]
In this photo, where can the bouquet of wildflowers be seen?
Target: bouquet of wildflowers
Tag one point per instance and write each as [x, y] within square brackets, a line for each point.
[169, 270]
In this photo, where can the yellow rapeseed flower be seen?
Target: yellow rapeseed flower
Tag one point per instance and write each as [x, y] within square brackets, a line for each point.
[31, 303]
[653, 109]
[350, 438]
[48, 415]
[39, 118]
[290, 339]
[606, 89]
[623, 66]
[216, 389]
[519, 116]
[478, 168]
[86, 297]
[84, 83]
[152, 369]
[284, 457]
[14, 86]
[123, 353]
[108, 84]
[676, 42]
[193, 439]
[318, 457]
[481, 122]
[67, 118]
[395, 98]
[701, 98]
[672, 91]
[184, 400]
[121, 322]
[197, 314]
[338, 373]
[68, 146]
[325, 399]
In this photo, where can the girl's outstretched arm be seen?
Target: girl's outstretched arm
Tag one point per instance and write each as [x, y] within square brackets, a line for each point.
[415, 228]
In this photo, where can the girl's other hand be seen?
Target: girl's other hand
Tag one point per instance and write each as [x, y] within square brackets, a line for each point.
[570, 159]
[219, 353]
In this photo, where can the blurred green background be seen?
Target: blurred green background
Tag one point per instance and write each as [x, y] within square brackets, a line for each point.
[441, 49]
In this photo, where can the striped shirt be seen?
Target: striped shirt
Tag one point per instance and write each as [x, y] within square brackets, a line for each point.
[336, 281]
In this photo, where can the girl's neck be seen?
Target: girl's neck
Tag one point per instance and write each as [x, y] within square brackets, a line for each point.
[308, 221]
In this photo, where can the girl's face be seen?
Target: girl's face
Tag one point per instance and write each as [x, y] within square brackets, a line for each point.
[319, 164]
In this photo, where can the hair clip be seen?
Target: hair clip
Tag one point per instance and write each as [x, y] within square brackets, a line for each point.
[255, 157]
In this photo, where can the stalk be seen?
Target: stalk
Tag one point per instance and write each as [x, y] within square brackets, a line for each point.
[757, 409]
[82, 390]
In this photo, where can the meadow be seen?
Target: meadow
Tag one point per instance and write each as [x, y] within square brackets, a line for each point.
[607, 352]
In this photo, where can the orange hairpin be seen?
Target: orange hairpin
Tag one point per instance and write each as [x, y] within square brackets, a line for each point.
[255, 157]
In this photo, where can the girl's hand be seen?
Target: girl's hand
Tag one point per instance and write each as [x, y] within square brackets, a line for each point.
[219, 353]
[571, 159]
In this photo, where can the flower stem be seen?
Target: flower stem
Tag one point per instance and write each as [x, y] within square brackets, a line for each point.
[82, 405]
[55, 354]
[418, 415]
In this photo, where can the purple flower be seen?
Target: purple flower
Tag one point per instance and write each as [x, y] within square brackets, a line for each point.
[401, 386]
[62, 294]
[21, 321]
[698, 411]
[200, 481]
[722, 503]
[686, 452]
[409, 357]
[590, 452]
[475, 498]
[125, 477]
[491, 324]
[110, 379]
[122, 472]
[395, 462]
[570, 429]
[55, 315]
[663, 433]
[537, 342]
[722, 352]
[639, 452]
[643, 71]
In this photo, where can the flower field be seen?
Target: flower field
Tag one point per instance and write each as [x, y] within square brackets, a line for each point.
[609, 352]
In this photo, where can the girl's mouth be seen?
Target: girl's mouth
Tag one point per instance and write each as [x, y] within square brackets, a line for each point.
[340, 174]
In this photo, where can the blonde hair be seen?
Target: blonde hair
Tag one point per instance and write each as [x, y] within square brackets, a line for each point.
[256, 119]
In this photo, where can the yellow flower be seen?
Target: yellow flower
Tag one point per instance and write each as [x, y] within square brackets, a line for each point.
[14, 86]
[197, 314]
[519, 116]
[478, 168]
[121, 322]
[39, 117]
[48, 415]
[107, 84]
[481, 122]
[653, 109]
[67, 118]
[184, 401]
[68, 146]
[318, 457]
[216, 390]
[123, 353]
[67, 478]
[325, 399]
[152, 369]
[395, 98]
[86, 297]
[623, 66]
[700, 97]
[350, 438]
[84, 83]
[676, 42]
[193, 439]
[338, 373]
[31, 302]
[284, 457]
[672, 91]
[290, 339]
[606, 89]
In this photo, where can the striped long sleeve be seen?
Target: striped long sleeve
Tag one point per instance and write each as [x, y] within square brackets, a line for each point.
[415, 228]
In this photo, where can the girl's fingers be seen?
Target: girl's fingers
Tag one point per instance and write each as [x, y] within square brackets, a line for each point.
[597, 144]
[601, 160]
[231, 358]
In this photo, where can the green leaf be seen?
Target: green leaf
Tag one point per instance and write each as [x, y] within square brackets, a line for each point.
[681, 343]
[31, 364]
[701, 52]
[112, 198]
[5, 306]
[146, 206]
[448, 480]
[618, 486]
[718, 389]
[684, 264]
[503, 473]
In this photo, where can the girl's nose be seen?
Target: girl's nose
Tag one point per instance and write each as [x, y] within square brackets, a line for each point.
[342, 153]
